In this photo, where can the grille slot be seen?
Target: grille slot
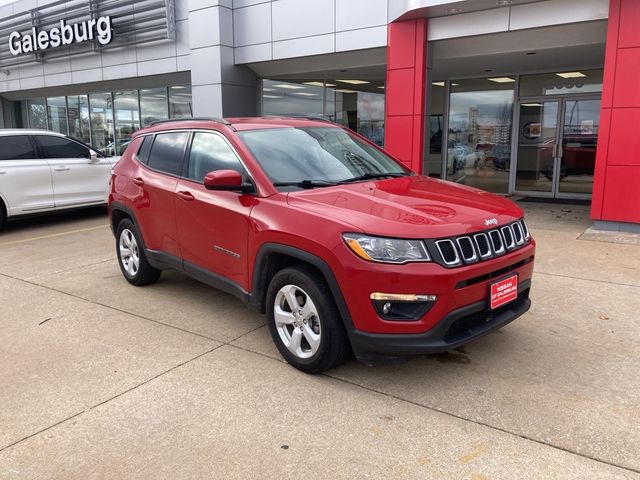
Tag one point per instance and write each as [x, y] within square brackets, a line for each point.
[482, 242]
[525, 229]
[496, 242]
[507, 234]
[448, 252]
[517, 232]
[467, 250]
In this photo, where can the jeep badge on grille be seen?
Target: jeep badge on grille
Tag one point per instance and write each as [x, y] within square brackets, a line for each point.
[490, 221]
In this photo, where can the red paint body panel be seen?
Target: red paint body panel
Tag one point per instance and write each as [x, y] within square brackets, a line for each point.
[188, 221]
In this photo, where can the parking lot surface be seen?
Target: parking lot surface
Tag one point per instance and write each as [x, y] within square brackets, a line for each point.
[100, 379]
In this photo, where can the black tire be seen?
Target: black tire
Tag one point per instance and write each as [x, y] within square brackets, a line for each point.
[333, 346]
[144, 273]
[3, 216]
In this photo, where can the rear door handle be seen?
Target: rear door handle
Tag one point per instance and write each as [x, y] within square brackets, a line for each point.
[2, 172]
[138, 181]
[186, 196]
[61, 168]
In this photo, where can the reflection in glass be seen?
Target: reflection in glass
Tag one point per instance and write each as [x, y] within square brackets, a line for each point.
[537, 146]
[579, 141]
[78, 113]
[153, 105]
[37, 109]
[180, 105]
[561, 83]
[479, 143]
[57, 114]
[433, 154]
[102, 131]
[357, 104]
[127, 117]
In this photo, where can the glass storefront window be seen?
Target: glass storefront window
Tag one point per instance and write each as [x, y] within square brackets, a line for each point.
[154, 105]
[357, 104]
[561, 83]
[292, 98]
[37, 109]
[435, 126]
[180, 105]
[57, 114]
[127, 118]
[102, 131]
[78, 112]
[480, 125]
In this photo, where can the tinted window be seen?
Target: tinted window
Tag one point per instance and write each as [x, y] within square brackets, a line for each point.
[145, 149]
[210, 152]
[61, 147]
[16, 148]
[167, 152]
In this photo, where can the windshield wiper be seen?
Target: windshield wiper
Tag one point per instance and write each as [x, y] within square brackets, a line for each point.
[306, 184]
[372, 176]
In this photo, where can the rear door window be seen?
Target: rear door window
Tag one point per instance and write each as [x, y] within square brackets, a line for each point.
[167, 152]
[61, 147]
[16, 147]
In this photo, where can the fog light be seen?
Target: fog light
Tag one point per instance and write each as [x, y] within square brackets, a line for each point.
[402, 307]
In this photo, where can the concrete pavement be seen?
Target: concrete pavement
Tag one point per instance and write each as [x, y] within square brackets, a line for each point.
[177, 380]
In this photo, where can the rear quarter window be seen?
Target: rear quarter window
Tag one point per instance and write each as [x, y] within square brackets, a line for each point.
[167, 152]
[16, 147]
[145, 149]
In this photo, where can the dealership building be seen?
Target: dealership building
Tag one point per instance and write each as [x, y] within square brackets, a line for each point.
[533, 98]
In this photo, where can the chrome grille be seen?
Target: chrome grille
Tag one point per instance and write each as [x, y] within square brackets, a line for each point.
[525, 229]
[507, 235]
[518, 233]
[496, 242]
[467, 249]
[482, 242]
[448, 252]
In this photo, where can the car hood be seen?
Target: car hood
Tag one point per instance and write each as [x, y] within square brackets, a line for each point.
[409, 207]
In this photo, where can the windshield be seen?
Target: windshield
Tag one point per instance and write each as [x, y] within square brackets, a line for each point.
[321, 155]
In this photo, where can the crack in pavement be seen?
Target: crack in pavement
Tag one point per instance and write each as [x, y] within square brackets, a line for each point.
[454, 415]
[135, 387]
[587, 279]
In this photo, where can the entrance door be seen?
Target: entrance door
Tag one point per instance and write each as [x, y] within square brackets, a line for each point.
[557, 147]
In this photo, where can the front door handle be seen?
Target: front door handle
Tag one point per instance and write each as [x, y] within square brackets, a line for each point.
[2, 172]
[186, 196]
[138, 181]
[61, 168]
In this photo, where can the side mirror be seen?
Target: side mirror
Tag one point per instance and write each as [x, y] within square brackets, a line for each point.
[226, 180]
[93, 156]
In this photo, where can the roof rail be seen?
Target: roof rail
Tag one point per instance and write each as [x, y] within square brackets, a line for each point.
[192, 119]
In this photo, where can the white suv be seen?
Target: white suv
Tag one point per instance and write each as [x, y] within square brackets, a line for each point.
[44, 171]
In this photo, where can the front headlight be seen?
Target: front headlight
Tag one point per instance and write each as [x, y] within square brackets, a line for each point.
[386, 250]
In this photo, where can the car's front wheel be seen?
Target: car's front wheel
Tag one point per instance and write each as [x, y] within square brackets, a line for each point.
[131, 257]
[304, 321]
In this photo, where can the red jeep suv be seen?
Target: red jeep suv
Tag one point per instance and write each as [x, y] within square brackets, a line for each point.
[343, 247]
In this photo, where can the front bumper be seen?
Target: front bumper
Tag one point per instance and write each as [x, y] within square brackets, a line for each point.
[459, 327]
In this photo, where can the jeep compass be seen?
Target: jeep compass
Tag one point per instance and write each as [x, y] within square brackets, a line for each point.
[343, 247]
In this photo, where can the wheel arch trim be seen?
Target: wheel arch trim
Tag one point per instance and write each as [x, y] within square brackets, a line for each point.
[260, 283]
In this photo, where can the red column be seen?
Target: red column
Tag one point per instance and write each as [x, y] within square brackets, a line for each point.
[404, 135]
[616, 189]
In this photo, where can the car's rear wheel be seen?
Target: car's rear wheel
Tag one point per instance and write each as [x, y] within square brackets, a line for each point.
[3, 216]
[131, 257]
[304, 321]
